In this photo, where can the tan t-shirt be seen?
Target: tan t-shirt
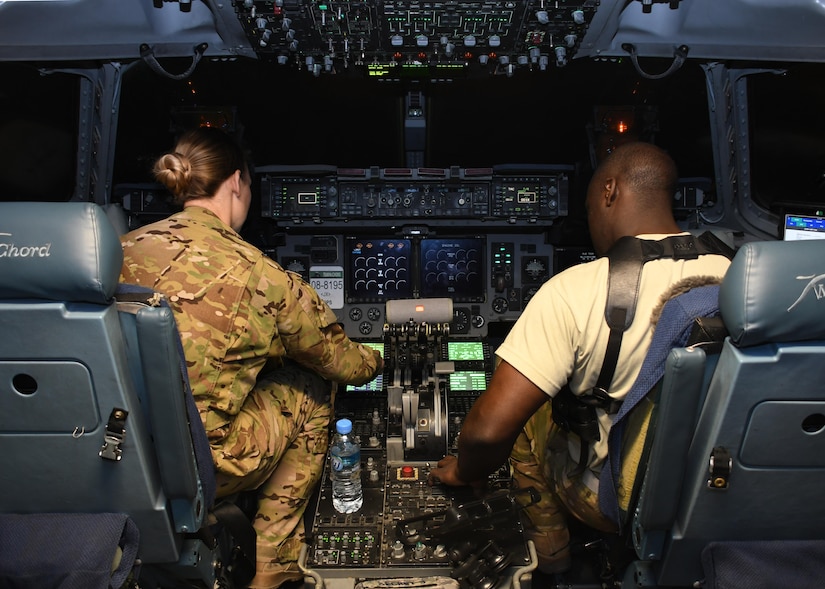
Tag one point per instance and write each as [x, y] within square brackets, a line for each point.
[562, 335]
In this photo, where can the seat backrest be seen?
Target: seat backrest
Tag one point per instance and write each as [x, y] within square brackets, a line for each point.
[93, 414]
[750, 444]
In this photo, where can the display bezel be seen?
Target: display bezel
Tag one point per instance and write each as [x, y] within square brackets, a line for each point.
[803, 227]
[453, 267]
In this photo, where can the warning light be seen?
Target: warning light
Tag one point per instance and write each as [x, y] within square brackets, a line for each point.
[419, 308]
[422, 56]
[407, 472]
[468, 55]
[621, 127]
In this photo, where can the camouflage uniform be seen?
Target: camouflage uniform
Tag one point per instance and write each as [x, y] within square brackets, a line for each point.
[263, 352]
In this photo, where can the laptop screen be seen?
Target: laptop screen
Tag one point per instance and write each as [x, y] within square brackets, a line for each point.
[804, 227]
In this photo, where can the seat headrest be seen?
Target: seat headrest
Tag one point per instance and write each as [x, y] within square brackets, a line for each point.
[775, 292]
[65, 251]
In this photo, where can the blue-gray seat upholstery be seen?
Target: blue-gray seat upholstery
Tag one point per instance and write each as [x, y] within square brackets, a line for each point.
[764, 404]
[70, 358]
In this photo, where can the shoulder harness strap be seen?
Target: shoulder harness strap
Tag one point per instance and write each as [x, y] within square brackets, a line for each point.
[627, 256]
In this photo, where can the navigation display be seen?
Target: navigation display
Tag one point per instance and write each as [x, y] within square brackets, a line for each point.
[379, 270]
[799, 227]
[376, 385]
[475, 381]
[458, 350]
[453, 268]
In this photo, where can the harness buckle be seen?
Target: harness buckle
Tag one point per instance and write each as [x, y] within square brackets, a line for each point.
[114, 435]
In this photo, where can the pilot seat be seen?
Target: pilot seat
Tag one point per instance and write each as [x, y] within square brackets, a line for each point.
[105, 470]
[732, 495]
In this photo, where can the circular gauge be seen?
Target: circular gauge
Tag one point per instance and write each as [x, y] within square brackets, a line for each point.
[374, 313]
[535, 268]
[461, 321]
[356, 313]
[500, 305]
[295, 265]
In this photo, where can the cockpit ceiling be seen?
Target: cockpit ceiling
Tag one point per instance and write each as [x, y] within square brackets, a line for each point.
[79, 30]
[771, 30]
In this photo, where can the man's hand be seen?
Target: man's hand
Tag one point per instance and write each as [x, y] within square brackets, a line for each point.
[446, 473]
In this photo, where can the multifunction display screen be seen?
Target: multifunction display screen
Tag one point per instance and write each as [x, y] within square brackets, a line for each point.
[379, 270]
[461, 350]
[475, 381]
[453, 268]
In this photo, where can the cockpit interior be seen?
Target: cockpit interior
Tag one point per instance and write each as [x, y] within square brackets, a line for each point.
[423, 165]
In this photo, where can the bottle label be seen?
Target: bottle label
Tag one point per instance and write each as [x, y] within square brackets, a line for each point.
[339, 463]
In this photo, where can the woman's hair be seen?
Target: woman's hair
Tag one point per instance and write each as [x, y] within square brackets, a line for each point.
[201, 161]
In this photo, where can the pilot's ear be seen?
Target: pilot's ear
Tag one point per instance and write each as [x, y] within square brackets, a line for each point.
[235, 183]
[611, 191]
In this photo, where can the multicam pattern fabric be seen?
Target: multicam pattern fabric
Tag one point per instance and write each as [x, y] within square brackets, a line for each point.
[263, 352]
[540, 457]
[239, 314]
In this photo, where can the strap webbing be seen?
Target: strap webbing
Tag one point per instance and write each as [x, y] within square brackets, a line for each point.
[627, 257]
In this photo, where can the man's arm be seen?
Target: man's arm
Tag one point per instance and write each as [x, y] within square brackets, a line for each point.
[491, 427]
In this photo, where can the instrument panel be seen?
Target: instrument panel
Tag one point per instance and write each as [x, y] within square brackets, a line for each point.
[489, 278]
[340, 197]
[415, 39]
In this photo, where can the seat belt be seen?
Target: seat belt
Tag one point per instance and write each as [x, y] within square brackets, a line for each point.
[577, 413]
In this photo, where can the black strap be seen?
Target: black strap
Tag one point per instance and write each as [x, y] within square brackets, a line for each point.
[244, 538]
[626, 259]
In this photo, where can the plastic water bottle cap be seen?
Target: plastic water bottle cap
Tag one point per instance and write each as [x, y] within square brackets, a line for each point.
[343, 426]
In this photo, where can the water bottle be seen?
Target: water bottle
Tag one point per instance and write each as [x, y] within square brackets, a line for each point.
[345, 469]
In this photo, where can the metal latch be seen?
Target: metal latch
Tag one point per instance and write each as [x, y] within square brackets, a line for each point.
[719, 467]
[115, 433]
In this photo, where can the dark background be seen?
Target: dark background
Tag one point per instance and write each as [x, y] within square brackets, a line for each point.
[289, 117]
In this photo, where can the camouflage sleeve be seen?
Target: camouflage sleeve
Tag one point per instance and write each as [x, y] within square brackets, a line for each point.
[311, 335]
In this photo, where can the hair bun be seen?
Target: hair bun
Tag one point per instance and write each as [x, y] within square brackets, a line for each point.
[174, 171]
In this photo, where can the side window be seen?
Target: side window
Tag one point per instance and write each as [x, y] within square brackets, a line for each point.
[788, 139]
[38, 130]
